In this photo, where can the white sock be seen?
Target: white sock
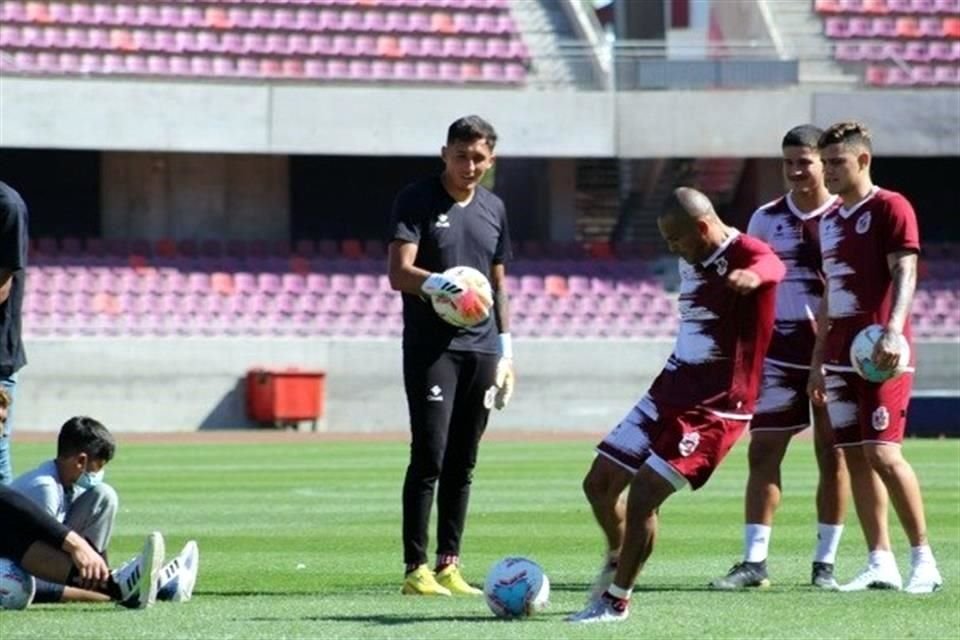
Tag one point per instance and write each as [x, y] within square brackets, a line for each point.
[828, 539]
[921, 555]
[617, 592]
[756, 542]
[881, 558]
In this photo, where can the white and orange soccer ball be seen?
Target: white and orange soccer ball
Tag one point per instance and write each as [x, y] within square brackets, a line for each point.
[861, 355]
[516, 588]
[469, 308]
[17, 587]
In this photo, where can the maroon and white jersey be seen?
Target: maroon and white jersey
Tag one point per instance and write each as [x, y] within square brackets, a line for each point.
[718, 357]
[855, 243]
[794, 236]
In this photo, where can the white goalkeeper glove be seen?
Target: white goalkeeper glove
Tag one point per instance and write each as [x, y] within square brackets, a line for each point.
[505, 377]
[437, 283]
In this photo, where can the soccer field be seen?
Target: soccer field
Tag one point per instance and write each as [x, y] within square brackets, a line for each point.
[301, 540]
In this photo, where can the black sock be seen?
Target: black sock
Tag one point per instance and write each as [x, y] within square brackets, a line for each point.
[111, 589]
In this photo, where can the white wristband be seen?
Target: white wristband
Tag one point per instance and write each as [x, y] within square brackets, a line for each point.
[506, 346]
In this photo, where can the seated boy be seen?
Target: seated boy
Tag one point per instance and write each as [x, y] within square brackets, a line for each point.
[71, 488]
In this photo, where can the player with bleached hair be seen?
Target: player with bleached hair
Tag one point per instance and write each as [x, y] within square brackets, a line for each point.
[870, 247]
[700, 403]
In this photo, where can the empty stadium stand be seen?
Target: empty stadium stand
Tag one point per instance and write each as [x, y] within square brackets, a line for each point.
[418, 41]
[913, 43]
[211, 288]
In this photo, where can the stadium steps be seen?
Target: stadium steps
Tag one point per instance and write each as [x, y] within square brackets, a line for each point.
[546, 30]
[802, 33]
[597, 198]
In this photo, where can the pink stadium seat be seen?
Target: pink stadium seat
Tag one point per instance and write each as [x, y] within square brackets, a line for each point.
[836, 27]
[306, 20]
[916, 52]
[947, 75]
[848, 51]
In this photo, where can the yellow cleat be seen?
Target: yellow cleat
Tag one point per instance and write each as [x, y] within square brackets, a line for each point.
[422, 582]
[452, 579]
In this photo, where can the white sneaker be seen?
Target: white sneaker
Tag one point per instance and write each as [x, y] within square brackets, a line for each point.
[603, 581]
[138, 577]
[875, 577]
[924, 578]
[178, 577]
[600, 610]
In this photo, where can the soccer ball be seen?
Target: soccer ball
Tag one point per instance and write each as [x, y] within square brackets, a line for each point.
[17, 587]
[861, 355]
[516, 588]
[472, 306]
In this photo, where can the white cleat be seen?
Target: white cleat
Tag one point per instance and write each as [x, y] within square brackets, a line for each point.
[924, 578]
[179, 576]
[138, 577]
[875, 577]
[601, 609]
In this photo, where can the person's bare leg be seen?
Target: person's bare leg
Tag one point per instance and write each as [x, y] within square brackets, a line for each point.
[73, 594]
[648, 491]
[834, 481]
[898, 477]
[762, 495]
[869, 498]
[833, 485]
[603, 486]
[47, 562]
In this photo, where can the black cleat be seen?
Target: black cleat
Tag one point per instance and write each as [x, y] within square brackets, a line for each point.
[744, 575]
[821, 575]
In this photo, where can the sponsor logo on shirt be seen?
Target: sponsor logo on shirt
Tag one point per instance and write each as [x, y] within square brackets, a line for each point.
[443, 221]
[863, 222]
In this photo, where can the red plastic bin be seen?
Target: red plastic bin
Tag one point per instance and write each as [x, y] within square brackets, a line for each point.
[285, 397]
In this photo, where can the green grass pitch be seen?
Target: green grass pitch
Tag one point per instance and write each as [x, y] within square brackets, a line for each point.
[302, 541]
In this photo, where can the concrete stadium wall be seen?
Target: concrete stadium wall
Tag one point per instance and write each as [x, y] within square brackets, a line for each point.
[127, 114]
[189, 384]
[174, 195]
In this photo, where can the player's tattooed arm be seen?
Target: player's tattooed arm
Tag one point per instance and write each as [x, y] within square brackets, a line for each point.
[501, 300]
[903, 272]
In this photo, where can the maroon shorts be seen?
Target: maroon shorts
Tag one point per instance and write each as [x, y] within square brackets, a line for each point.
[863, 412]
[692, 442]
[783, 404]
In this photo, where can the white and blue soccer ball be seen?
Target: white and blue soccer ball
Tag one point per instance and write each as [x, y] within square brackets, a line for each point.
[17, 587]
[861, 355]
[516, 588]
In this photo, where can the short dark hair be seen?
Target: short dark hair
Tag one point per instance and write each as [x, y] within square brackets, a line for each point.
[804, 135]
[81, 434]
[846, 133]
[471, 128]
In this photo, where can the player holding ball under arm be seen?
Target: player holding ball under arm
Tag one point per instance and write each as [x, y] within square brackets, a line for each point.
[452, 376]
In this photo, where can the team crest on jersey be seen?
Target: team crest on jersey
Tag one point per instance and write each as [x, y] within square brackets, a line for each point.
[689, 443]
[443, 221]
[863, 222]
[721, 266]
[880, 418]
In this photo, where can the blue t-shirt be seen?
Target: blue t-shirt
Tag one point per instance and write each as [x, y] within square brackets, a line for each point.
[43, 487]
